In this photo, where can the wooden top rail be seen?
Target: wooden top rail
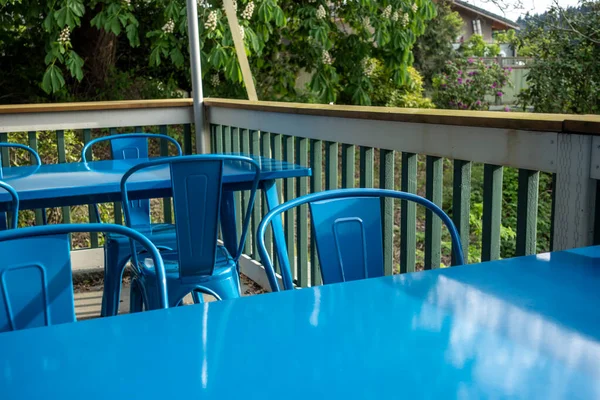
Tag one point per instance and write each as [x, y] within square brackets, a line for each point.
[587, 124]
[93, 106]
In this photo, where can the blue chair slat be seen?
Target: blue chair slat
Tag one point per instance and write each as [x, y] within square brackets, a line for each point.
[38, 161]
[198, 264]
[197, 199]
[36, 286]
[348, 234]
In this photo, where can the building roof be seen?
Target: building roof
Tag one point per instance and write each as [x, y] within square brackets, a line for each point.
[486, 13]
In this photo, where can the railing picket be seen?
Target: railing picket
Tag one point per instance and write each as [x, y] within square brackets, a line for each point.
[386, 181]
[461, 203]
[316, 185]
[4, 150]
[433, 224]
[256, 215]
[366, 166]
[302, 221]
[245, 145]
[408, 214]
[87, 137]
[219, 139]
[348, 162]
[164, 151]
[187, 139]
[33, 143]
[62, 158]
[492, 212]
[289, 216]
[331, 162]
[527, 208]
[227, 139]
[265, 140]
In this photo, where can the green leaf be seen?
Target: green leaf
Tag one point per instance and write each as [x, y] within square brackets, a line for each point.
[46, 82]
[76, 7]
[155, 56]
[279, 17]
[48, 22]
[61, 16]
[53, 79]
[98, 20]
[115, 26]
[75, 64]
[123, 18]
[177, 57]
[132, 35]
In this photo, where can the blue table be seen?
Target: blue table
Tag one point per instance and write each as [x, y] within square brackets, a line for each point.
[521, 328]
[70, 184]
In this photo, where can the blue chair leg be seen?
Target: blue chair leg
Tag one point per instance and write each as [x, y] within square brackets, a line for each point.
[136, 300]
[114, 266]
[198, 297]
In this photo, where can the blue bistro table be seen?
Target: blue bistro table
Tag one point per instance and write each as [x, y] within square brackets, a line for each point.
[70, 184]
[526, 328]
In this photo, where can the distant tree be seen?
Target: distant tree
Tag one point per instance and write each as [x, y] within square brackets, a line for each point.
[565, 77]
[434, 47]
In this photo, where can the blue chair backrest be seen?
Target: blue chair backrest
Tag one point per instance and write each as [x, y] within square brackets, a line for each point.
[128, 146]
[36, 287]
[35, 160]
[197, 183]
[347, 228]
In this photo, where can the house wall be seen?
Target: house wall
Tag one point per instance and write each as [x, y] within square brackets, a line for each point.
[468, 17]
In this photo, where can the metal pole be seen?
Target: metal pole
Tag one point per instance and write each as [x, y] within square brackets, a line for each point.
[202, 142]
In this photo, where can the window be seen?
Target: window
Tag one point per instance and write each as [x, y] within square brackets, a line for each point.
[477, 27]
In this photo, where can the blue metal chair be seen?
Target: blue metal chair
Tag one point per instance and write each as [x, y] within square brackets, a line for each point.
[348, 233]
[36, 287]
[14, 206]
[36, 158]
[116, 248]
[199, 263]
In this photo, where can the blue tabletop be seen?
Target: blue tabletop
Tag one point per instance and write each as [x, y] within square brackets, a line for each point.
[525, 328]
[53, 185]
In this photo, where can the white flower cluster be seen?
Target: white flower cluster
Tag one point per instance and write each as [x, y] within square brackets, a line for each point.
[211, 21]
[395, 16]
[368, 66]
[321, 13]
[127, 2]
[214, 80]
[65, 35]
[366, 22]
[242, 32]
[405, 19]
[415, 7]
[312, 1]
[169, 26]
[248, 11]
[234, 5]
[326, 58]
[203, 4]
[387, 12]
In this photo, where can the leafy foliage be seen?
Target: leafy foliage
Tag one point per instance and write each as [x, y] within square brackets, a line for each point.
[465, 83]
[565, 77]
[475, 46]
[409, 95]
[332, 41]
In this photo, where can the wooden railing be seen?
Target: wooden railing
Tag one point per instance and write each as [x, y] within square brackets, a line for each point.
[374, 147]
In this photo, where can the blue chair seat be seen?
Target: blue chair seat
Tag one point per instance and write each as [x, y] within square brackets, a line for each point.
[221, 281]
